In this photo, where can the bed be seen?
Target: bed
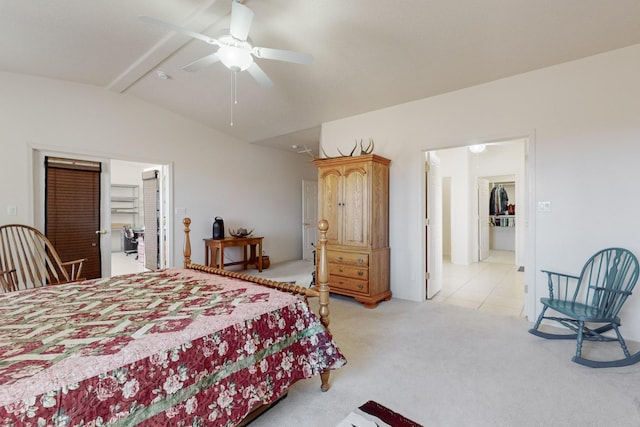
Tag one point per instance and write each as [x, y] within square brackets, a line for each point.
[190, 346]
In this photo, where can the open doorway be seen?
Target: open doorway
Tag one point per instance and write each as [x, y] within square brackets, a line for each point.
[108, 235]
[138, 217]
[473, 236]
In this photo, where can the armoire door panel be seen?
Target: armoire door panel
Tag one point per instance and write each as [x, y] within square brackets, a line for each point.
[329, 193]
[356, 224]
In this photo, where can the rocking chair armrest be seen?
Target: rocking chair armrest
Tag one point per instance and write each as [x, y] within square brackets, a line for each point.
[571, 276]
[76, 267]
[561, 284]
[615, 291]
[75, 261]
[7, 279]
[8, 273]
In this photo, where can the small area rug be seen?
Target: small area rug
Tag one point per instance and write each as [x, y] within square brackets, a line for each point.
[373, 414]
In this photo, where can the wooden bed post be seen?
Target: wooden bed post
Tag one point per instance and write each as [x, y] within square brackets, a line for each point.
[323, 287]
[187, 242]
[323, 272]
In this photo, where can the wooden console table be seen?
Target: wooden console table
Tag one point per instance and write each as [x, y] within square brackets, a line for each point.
[214, 251]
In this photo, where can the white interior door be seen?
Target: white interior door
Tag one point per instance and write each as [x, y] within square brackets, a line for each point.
[434, 225]
[483, 219]
[309, 218]
[165, 216]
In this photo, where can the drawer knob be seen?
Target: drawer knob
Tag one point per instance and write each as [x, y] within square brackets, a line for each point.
[360, 286]
[340, 258]
[360, 273]
[360, 260]
[341, 271]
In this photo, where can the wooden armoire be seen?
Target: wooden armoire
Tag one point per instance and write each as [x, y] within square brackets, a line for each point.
[353, 195]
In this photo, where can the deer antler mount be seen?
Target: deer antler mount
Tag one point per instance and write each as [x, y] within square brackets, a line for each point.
[363, 150]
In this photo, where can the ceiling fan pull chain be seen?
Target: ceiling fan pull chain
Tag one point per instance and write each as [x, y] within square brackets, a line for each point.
[235, 87]
[233, 94]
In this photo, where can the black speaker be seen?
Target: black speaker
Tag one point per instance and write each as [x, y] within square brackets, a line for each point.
[218, 228]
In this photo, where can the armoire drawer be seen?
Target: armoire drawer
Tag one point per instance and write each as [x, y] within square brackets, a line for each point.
[345, 270]
[351, 258]
[347, 283]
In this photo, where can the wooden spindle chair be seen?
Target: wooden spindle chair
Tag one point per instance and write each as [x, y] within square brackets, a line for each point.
[29, 260]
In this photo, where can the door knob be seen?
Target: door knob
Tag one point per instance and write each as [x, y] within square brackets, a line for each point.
[101, 232]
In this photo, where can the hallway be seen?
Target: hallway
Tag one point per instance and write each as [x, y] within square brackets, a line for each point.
[494, 285]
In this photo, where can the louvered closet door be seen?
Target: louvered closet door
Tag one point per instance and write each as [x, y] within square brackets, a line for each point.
[151, 196]
[72, 211]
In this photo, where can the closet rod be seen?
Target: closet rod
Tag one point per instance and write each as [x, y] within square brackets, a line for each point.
[503, 182]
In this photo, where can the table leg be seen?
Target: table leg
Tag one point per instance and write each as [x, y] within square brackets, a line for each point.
[207, 250]
[244, 257]
[260, 255]
[221, 257]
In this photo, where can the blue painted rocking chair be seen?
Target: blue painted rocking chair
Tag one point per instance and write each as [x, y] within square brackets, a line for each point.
[589, 304]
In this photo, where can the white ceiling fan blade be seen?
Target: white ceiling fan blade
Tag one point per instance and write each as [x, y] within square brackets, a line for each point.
[283, 55]
[260, 76]
[202, 62]
[154, 21]
[241, 18]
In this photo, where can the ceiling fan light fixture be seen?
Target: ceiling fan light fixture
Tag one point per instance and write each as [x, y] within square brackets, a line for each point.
[477, 148]
[234, 58]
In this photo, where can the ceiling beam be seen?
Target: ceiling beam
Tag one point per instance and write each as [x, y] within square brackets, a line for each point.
[198, 21]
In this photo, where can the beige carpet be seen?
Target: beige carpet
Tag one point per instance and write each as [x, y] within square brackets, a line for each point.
[442, 365]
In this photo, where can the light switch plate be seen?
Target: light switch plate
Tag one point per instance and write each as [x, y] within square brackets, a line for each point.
[544, 206]
[12, 210]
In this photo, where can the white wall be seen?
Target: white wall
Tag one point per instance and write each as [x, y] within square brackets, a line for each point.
[213, 174]
[582, 120]
[446, 216]
[455, 164]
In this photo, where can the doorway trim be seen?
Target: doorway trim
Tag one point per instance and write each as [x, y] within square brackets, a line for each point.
[529, 220]
[35, 172]
[309, 218]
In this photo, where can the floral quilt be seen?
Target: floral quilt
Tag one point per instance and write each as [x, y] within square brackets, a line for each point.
[167, 348]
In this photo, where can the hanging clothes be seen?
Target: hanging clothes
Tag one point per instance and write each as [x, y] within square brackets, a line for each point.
[498, 200]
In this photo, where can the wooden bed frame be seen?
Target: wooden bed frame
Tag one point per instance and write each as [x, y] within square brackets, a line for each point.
[320, 290]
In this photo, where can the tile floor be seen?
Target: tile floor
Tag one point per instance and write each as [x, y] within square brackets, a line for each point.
[494, 285]
[122, 263]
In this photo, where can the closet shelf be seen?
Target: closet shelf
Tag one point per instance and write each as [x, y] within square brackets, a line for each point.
[125, 204]
[502, 221]
[124, 210]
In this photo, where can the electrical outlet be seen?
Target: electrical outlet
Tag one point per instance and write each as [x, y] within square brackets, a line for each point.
[12, 210]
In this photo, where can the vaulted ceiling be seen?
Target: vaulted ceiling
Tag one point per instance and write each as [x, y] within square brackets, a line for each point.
[368, 54]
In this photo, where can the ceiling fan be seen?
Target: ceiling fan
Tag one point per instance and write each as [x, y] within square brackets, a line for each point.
[235, 48]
